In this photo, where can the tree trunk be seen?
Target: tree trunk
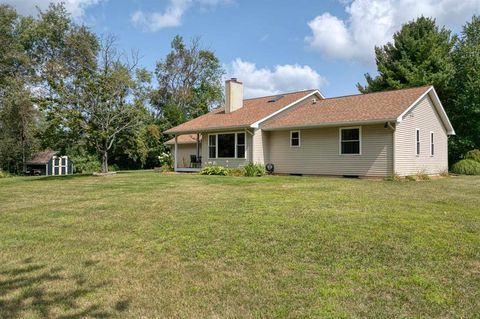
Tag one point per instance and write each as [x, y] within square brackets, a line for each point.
[105, 162]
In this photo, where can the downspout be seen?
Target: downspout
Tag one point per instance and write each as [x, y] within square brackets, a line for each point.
[393, 128]
[249, 148]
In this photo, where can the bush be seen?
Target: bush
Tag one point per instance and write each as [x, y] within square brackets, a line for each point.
[473, 155]
[254, 169]
[86, 164]
[215, 170]
[166, 160]
[4, 174]
[113, 168]
[466, 167]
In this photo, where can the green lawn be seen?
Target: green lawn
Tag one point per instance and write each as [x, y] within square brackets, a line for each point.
[150, 245]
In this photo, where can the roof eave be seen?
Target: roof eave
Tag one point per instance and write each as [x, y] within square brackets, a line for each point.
[331, 124]
[206, 130]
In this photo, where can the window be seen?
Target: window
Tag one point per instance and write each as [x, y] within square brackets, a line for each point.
[295, 138]
[212, 146]
[350, 140]
[432, 145]
[240, 145]
[226, 145]
[417, 139]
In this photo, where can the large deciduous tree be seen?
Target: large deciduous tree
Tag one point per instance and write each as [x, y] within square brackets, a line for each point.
[17, 112]
[464, 110]
[189, 83]
[109, 100]
[420, 54]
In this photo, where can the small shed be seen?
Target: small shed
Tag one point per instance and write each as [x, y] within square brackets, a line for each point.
[48, 163]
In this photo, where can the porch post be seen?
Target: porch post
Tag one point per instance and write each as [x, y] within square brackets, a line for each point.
[198, 146]
[175, 155]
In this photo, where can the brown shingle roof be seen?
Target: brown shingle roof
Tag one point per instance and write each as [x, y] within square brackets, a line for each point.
[41, 157]
[184, 139]
[379, 106]
[252, 111]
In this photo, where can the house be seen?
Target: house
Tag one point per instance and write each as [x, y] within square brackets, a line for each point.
[401, 132]
[48, 163]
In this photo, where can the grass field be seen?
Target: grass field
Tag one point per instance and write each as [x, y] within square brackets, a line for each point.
[151, 245]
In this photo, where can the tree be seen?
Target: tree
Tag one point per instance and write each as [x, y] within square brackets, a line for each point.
[17, 113]
[189, 83]
[109, 100]
[420, 54]
[17, 118]
[465, 108]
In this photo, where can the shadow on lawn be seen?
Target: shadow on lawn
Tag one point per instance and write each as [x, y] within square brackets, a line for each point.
[28, 290]
[63, 177]
[77, 176]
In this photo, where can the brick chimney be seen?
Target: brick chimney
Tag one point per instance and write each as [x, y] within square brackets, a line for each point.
[233, 95]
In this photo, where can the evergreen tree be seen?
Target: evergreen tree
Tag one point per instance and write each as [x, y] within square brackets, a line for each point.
[420, 54]
[464, 110]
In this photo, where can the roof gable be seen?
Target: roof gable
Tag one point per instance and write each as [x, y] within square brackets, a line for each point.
[433, 96]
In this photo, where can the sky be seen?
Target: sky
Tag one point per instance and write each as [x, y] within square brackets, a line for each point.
[271, 46]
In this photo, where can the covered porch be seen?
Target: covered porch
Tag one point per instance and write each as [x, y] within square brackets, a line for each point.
[187, 153]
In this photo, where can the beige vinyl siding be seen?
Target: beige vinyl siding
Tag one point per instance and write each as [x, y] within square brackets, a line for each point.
[184, 151]
[319, 152]
[260, 147]
[227, 162]
[425, 118]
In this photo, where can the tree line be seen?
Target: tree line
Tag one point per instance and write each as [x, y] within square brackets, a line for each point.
[64, 88]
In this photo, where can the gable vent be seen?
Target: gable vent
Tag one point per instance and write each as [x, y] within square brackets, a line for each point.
[275, 99]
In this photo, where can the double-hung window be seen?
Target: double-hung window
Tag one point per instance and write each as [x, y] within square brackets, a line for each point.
[226, 145]
[350, 140]
[212, 146]
[240, 145]
[295, 138]
[432, 144]
[417, 142]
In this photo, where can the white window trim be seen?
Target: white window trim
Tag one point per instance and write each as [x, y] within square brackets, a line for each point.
[432, 143]
[236, 145]
[359, 140]
[418, 142]
[299, 139]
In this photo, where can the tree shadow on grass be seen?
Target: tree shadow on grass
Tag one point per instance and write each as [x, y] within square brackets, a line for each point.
[30, 289]
[62, 178]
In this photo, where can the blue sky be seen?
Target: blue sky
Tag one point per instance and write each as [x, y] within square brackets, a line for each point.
[272, 46]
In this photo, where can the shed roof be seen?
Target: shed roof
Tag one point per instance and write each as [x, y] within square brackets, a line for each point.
[42, 157]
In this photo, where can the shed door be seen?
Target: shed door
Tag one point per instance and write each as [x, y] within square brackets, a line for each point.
[63, 168]
[56, 166]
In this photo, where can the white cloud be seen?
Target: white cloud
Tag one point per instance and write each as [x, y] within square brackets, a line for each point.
[172, 15]
[279, 79]
[373, 22]
[28, 7]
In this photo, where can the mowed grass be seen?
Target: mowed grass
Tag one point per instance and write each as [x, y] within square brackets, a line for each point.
[151, 245]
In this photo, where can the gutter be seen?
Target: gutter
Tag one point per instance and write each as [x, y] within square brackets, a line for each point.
[333, 124]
